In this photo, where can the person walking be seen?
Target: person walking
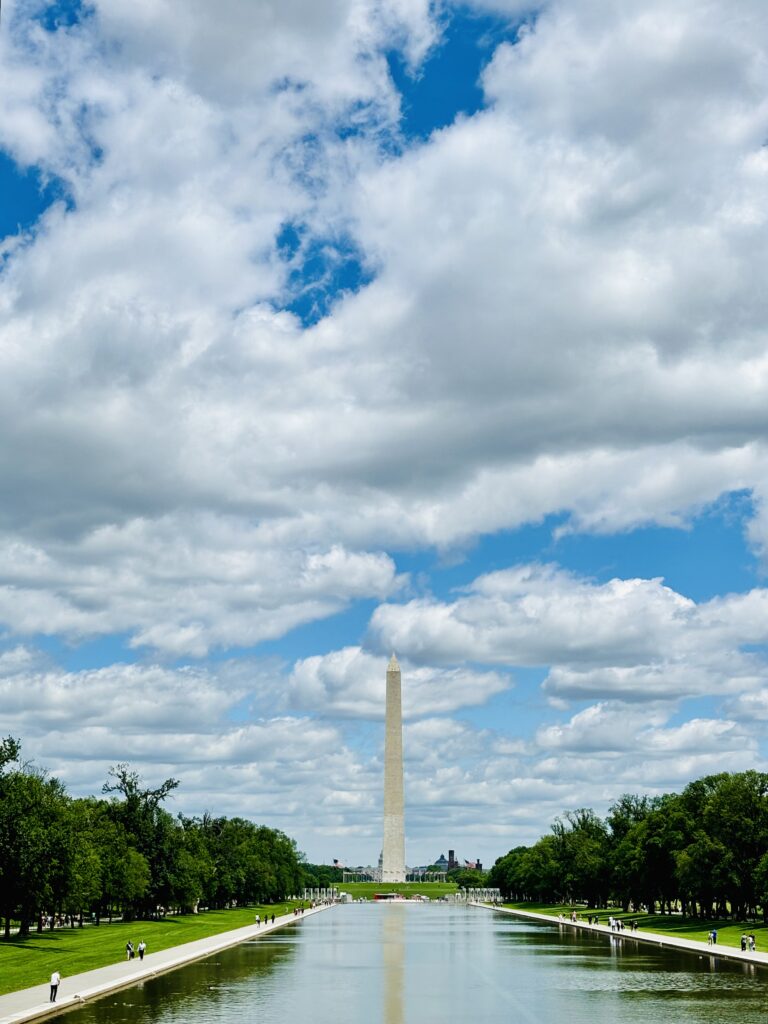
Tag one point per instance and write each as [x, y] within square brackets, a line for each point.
[55, 982]
[142, 949]
[129, 950]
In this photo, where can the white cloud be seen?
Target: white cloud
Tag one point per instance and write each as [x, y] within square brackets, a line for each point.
[237, 589]
[351, 683]
[633, 639]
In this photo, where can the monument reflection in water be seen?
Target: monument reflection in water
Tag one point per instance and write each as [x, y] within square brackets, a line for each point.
[393, 941]
[428, 964]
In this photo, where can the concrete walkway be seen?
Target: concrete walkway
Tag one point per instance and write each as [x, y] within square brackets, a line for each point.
[33, 1003]
[655, 938]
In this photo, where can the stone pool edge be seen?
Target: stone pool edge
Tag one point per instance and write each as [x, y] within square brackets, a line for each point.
[654, 938]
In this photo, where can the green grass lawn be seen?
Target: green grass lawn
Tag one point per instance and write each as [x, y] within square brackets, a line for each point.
[365, 890]
[728, 932]
[27, 962]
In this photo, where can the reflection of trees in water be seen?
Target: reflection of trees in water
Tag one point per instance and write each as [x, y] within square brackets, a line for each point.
[393, 937]
[194, 994]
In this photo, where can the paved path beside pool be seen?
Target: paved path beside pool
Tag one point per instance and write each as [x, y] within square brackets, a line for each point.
[33, 1003]
[656, 938]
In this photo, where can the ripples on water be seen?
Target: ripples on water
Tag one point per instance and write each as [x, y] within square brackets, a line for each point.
[411, 964]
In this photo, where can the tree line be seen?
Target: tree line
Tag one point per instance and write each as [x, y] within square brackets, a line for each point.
[703, 851]
[123, 853]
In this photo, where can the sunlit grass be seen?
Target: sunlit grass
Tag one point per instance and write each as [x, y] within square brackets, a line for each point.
[728, 932]
[30, 961]
[366, 890]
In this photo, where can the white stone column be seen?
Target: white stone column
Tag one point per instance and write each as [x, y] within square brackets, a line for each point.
[393, 861]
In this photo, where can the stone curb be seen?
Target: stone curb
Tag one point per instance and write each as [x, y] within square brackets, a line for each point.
[654, 938]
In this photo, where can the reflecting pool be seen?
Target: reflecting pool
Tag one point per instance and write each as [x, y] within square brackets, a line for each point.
[440, 964]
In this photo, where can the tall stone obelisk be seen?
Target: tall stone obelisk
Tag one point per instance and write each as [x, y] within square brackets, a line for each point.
[393, 858]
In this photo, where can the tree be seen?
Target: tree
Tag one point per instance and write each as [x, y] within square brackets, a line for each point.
[35, 849]
[506, 874]
[150, 831]
[582, 848]
[10, 749]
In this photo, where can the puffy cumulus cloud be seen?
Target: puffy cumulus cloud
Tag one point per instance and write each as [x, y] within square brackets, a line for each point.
[750, 706]
[351, 683]
[139, 701]
[536, 615]
[238, 48]
[601, 727]
[657, 301]
[600, 779]
[636, 76]
[610, 728]
[701, 734]
[237, 589]
[633, 639]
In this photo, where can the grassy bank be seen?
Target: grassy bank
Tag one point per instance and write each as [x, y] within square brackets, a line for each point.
[366, 890]
[728, 932]
[30, 961]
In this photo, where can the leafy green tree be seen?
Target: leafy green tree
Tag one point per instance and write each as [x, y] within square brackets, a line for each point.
[10, 750]
[470, 878]
[34, 845]
[505, 875]
[702, 872]
[540, 872]
[581, 850]
[150, 831]
[320, 876]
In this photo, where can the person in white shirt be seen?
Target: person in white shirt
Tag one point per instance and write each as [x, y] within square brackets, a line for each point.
[55, 981]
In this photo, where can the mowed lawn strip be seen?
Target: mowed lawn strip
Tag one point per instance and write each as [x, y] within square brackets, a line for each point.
[366, 890]
[728, 932]
[30, 961]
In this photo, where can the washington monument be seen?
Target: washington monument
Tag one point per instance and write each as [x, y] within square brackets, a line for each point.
[393, 856]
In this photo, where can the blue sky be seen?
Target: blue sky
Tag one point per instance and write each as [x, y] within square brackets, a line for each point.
[329, 330]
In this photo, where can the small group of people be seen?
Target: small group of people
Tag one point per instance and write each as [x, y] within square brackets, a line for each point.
[266, 920]
[712, 938]
[617, 924]
[130, 952]
[748, 943]
[298, 910]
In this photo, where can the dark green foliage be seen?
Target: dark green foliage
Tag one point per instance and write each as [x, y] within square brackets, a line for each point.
[468, 878]
[704, 851]
[125, 855]
[321, 876]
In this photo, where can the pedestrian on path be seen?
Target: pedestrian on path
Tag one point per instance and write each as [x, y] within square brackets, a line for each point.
[142, 949]
[55, 982]
[129, 950]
